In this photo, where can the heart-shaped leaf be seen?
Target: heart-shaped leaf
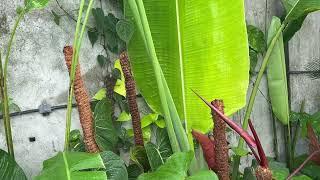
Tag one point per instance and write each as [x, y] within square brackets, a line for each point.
[35, 4]
[9, 169]
[115, 166]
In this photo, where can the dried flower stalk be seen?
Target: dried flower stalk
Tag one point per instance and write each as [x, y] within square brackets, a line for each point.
[131, 97]
[83, 102]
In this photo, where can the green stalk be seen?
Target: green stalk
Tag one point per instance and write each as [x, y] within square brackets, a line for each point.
[4, 88]
[254, 91]
[75, 57]
[143, 25]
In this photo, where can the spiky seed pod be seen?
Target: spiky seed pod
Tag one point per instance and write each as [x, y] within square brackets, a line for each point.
[83, 102]
[221, 144]
[131, 97]
[263, 173]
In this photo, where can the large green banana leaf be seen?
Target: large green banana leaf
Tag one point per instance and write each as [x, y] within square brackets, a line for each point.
[201, 45]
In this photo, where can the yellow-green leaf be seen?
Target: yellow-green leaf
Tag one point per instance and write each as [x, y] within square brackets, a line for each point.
[100, 94]
[200, 45]
[120, 87]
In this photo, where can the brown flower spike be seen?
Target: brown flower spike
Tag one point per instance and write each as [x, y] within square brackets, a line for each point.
[83, 102]
[221, 144]
[131, 97]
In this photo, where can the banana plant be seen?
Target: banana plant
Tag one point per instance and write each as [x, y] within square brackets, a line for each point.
[197, 44]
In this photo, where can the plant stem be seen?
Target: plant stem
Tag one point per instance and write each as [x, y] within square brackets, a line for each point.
[4, 88]
[275, 137]
[76, 49]
[297, 130]
[302, 165]
[253, 96]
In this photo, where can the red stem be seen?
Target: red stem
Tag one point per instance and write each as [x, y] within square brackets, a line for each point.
[302, 165]
[249, 140]
[263, 158]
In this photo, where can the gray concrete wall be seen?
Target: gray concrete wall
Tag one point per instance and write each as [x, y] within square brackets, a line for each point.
[37, 72]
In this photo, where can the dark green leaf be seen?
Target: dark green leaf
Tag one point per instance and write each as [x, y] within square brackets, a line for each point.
[297, 11]
[73, 166]
[134, 171]
[139, 156]
[111, 39]
[163, 143]
[116, 73]
[102, 60]
[9, 169]
[301, 177]
[115, 166]
[56, 17]
[203, 175]
[256, 39]
[105, 132]
[310, 169]
[253, 60]
[154, 156]
[93, 36]
[98, 15]
[125, 30]
[112, 21]
[35, 4]
[248, 174]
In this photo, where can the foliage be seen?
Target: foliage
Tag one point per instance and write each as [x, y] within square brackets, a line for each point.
[297, 11]
[183, 52]
[276, 74]
[305, 118]
[115, 166]
[105, 133]
[73, 165]
[9, 169]
[76, 141]
[176, 168]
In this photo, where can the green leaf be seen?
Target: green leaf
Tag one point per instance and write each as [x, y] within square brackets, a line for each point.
[240, 151]
[139, 156]
[176, 168]
[149, 119]
[256, 39]
[253, 60]
[134, 171]
[35, 4]
[124, 116]
[310, 169]
[154, 156]
[98, 15]
[9, 169]
[279, 170]
[102, 60]
[73, 166]
[56, 17]
[301, 177]
[76, 143]
[297, 11]
[105, 132]
[101, 94]
[163, 143]
[115, 166]
[213, 45]
[111, 40]
[146, 133]
[160, 123]
[125, 30]
[203, 175]
[120, 87]
[93, 36]
[248, 174]
[276, 75]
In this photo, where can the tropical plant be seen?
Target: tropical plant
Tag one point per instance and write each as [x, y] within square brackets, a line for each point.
[9, 169]
[73, 165]
[296, 10]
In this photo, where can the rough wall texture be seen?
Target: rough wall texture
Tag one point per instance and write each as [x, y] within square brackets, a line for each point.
[37, 73]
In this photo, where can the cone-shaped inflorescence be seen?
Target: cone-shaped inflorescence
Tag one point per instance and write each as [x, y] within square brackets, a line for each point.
[83, 102]
[221, 144]
[131, 97]
[262, 172]
[207, 148]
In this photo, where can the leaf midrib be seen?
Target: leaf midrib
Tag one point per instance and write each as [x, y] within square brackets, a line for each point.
[66, 165]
